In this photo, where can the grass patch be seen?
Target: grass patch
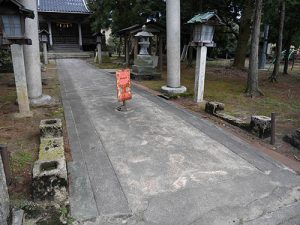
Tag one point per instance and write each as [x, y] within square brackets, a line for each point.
[59, 112]
[20, 160]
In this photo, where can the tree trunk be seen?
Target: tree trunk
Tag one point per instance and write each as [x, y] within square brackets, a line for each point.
[252, 82]
[244, 35]
[286, 55]
[273, 77]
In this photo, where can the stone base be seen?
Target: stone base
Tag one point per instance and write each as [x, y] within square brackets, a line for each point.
[170, 90]
[145, 76]
[261, 126]
[213, 107]
[293, 139]
[51, 128]
[23, 115]
[41, 101]
[50, 180]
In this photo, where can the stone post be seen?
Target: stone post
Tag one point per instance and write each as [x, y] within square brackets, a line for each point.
[20, 79]
[32, 58]
[173, 48]
[50, 34]
[80, 36]
[99, 50]
[200, 73]
[45, 53]
[263, 51]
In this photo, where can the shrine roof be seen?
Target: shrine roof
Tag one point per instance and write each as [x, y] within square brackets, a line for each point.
[63, 6]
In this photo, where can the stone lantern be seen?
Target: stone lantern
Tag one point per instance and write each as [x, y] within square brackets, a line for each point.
[203, 33]
[143, 64]
[44, 39]
[99, 37]
[12, 23]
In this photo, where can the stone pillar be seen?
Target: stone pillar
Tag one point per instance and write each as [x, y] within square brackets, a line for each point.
[99, 51]
[263, 51]
[173, 48]
[20, 79]
[200, 73]
[45, 53]
[50, 34]
[80, 36]
[32, 58]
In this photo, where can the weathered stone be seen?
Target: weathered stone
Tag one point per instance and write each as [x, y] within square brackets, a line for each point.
[51, 149]
[4, 198]
[51, 128]
[17, 217]
[213, 107]
[143, 67]
[232, 120]
[293, 139]
[261, 126]
[50, 180]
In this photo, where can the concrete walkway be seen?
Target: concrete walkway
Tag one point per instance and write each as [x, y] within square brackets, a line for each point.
[160, 165]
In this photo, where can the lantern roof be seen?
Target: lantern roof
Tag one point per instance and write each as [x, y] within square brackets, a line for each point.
[144, 33]
[14, 4]
[44, 32]
[206, 18]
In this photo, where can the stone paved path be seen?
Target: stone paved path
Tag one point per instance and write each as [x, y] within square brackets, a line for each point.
[160, 165]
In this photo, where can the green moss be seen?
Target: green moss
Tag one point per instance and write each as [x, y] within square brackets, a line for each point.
[51, 149]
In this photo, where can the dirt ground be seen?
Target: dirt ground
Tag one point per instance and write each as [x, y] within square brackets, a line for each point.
[227, 85]
[22, 135]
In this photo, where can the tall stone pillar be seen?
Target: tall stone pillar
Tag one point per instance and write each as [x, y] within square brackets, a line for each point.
[173, 48]
[20, 79]
[32, 58]
[80, 36]
[50, 34]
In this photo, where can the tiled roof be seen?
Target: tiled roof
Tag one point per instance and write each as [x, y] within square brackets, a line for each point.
[63, 6]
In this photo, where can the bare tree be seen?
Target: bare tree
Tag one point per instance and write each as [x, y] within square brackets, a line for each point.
[273, 77]
[252, 82]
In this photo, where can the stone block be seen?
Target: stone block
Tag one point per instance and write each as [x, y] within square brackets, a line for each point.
[51, 148]
[261, 126]
[233, 120]
[17, 217]
[50, 180]
[213, 107]
[293, 139]
[51, 128]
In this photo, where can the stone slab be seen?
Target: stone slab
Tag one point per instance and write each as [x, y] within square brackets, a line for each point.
[51, 149]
